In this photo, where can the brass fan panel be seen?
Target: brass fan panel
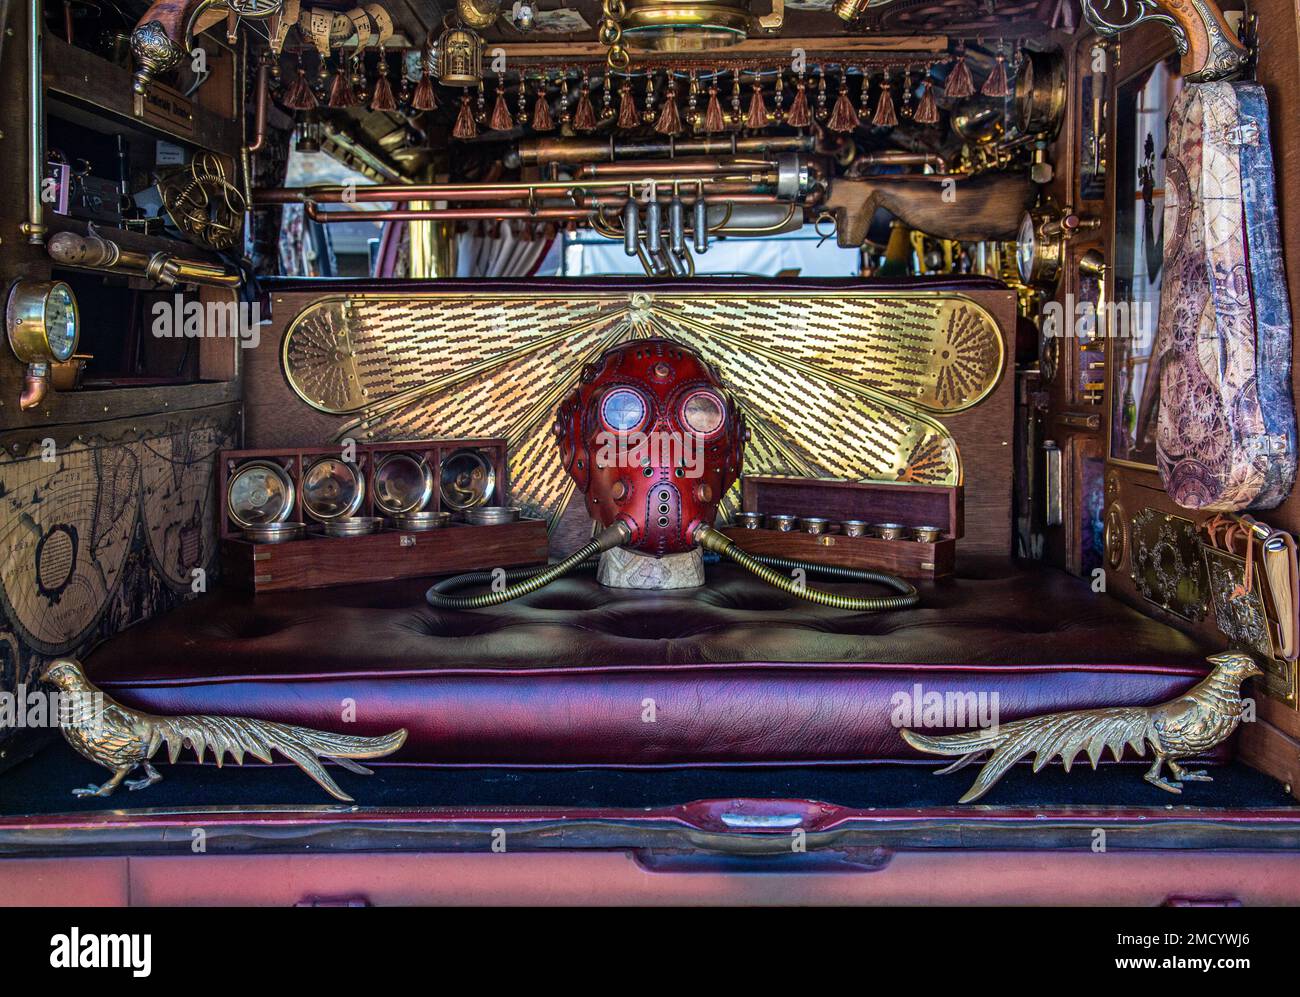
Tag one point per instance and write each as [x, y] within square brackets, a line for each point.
[833, 384]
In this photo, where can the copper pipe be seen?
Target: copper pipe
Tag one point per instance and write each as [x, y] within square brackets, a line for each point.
[442, 214]
[36, 384]
[894, 157]
[539, 151]
[404, 193]
[259, 119]
[671, 166]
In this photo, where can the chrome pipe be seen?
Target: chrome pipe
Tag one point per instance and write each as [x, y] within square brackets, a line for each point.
[653, 231]
[677, 225]
[631, 227]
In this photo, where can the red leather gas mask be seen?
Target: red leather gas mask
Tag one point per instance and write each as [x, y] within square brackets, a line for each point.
[653, 440]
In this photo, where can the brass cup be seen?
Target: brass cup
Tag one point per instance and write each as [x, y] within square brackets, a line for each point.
[750, 520]
[927, 534]
[888, 531]
[782, 522]
[814, 524]
[854, 527]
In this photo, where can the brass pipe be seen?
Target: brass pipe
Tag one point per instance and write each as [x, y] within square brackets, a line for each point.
[669, 166]
[894, 157]
[34, 227]
[94, 252]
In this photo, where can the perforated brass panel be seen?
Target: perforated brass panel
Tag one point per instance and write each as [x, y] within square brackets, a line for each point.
[833, 384]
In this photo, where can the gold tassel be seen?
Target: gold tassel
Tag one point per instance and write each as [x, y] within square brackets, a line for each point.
[885, 116]
[502, 120]
[423, 99]
[757, 116]
[627, 112]
[959, 82]
[542, 120]
[843, 117]
[341, 92]
[799, 115]
[584, 115]
[713, 119]
[299, 96]
[996, 84]
[927, 111]
[465, 126]
[670, 119]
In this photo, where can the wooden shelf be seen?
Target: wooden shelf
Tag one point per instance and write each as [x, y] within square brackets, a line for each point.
[85, 78]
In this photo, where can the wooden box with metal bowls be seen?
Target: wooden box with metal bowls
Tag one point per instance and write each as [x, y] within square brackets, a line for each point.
[911, 530]
[311, 517]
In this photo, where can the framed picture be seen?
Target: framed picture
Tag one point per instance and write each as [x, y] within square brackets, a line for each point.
[1141, 108]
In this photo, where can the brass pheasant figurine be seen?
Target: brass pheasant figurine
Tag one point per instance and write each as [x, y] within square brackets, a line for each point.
[119, 738]
[1181, 728]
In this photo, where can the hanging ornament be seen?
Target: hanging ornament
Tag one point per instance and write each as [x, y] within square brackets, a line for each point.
[996, 84]
[628, 117]
[959, 82]
[584, 115]
[424, 98]
[648, 115]
[927, 111]
[908, 93]
[460, 57]
[693, 98]
[821, 112]
[799, 116]
[480, 106]
[864, 112]
[358, 77]
[606, 99]
[670, 120]
[756, 119]
[465, 126]
[502, 121]
[843, 117]
[542, 120]
[341, 92]
[299, 96]
[383, 99]
[778, 98]
[713, 119]
[885, 116]
[566, 116]
[735, 98]
[521, 102]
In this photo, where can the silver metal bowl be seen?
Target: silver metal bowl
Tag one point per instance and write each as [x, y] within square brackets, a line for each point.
[259, 492]
[782, 522]
[854, 527]
[466, 480]
[403, 483]
[927, 534]
[750, 520]
[416, 522]
[275, 533]
[814, 524]
[492, 515]
[352, 526]
[332, 489]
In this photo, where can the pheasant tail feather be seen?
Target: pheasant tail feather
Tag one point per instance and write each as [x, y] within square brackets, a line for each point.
[307, 748]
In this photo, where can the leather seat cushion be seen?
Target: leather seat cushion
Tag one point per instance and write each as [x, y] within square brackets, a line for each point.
[734, 672]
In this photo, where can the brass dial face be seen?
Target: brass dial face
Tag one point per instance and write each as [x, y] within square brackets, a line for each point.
[42, 321]
[1115, 536]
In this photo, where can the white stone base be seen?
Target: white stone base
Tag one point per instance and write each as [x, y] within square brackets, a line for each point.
[621, 568]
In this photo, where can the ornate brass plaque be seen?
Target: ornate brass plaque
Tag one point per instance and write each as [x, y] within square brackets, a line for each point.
[841, 384]
[1168, 569]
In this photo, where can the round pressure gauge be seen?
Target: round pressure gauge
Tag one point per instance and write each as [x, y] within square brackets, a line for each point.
[1027, 248]
[42, 321]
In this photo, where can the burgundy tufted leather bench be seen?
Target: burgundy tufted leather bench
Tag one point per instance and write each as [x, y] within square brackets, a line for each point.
[732, 673]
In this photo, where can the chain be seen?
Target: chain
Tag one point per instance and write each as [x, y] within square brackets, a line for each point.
[611, 34]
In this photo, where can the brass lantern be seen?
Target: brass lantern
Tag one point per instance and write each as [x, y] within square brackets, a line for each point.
[460, 57]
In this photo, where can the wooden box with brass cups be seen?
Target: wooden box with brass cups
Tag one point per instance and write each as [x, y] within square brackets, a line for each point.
[311, 517]
[1252, 573]
[909, 530]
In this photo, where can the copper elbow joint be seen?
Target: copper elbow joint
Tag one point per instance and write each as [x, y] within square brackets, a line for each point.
[36, 384]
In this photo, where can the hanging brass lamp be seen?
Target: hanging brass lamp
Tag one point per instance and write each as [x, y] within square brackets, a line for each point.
[460, 57]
